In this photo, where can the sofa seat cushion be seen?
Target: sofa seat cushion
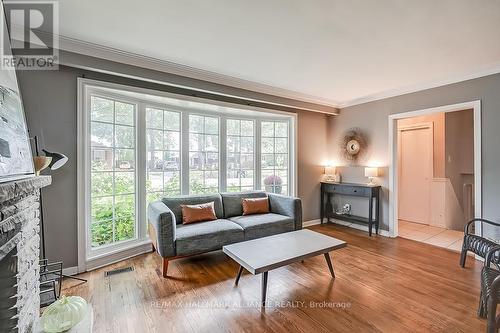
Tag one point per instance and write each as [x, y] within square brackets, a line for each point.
[206, 236]
[262, 225]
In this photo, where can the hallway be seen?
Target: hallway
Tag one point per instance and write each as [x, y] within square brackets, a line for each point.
[450, 239]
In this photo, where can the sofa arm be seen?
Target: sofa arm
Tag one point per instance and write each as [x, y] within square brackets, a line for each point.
[162, 228]
[288, 206]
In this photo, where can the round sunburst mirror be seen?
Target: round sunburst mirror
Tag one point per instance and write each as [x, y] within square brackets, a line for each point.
[353, 146]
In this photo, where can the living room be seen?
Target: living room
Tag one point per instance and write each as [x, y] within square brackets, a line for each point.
[224, 166]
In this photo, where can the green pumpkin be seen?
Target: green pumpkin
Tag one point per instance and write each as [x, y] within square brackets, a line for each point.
[63, 314]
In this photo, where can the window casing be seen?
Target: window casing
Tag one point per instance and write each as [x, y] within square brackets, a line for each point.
[166, 150]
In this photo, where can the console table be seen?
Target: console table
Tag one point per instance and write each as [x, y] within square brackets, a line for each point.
[371, 192]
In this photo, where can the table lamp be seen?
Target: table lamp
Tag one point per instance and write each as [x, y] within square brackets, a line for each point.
[371, 172]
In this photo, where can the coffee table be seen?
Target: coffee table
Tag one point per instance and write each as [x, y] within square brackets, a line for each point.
[261, 255]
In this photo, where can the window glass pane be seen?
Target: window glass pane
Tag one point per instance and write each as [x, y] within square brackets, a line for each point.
[101, 158]
[102, 232]
[112, 180]
[247, 128]
[281, 129]
[203, 154]
[172, 140]
[101, 184]
[154, 182]
[124, 159]
[211, 125]
[233, 143]
[211, 143]
[274, 156]
[267, 129]
[124, 113]
[155, 160]
[196, 142]
[267, 145]
[233, 127]
[172, 161]
[281, 145]
[101, 134]
[154, 139]
[172, 183]
[172, 121]
[246, 144]
[124, 182]
[124, 136]
[125, 217]
[101, 109]
[154, 118]
[195, 124]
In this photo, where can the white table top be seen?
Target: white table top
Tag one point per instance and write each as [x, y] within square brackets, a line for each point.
[263, 254]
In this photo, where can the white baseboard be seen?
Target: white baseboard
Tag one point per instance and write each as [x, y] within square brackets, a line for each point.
[310, 223]
[381, 232]
[70, 270]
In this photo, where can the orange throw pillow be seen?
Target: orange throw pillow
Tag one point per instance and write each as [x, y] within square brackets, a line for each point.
[198, 213]
[255, 206]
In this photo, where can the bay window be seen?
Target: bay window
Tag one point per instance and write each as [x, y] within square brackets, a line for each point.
[137, 146]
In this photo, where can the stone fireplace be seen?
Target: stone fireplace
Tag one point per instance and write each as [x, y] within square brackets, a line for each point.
[19, 253]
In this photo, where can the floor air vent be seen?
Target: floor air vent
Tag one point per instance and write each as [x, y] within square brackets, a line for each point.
[118, 271]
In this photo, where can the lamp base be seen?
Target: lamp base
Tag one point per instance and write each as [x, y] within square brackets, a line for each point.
[332, 178]
[370, 181]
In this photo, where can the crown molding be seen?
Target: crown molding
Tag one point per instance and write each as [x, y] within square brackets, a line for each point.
[139, 60]
[134, 59]
[465, 76]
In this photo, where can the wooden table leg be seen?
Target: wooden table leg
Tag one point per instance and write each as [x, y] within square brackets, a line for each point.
[370, 216]
[330, 266]
[239, 275]
[264, 288]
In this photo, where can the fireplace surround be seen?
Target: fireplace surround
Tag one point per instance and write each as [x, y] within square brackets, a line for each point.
[19, 253]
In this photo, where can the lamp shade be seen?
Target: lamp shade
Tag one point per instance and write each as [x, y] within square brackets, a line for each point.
[371, 172]
[330, 170]
[58, 159]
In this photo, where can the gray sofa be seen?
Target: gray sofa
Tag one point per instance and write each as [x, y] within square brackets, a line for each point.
[172, 239]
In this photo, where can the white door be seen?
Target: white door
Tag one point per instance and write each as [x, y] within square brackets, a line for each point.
[415, 172]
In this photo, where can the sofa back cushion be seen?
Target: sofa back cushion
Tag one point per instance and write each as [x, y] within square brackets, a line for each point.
[198, 213]
[232, 201]
[174, 203]
[255, 206]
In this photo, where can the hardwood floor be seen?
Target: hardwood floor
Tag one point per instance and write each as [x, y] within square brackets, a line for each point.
[382, 285]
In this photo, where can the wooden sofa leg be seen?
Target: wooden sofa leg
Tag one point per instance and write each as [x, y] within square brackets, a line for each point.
[165, 267]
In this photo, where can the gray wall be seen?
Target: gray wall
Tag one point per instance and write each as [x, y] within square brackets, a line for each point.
[50, 100]
[373, 119]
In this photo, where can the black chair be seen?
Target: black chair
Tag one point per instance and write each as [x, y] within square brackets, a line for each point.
[476, 244]
[490, 290]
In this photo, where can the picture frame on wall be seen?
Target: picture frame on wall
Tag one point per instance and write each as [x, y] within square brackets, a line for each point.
[16, 160]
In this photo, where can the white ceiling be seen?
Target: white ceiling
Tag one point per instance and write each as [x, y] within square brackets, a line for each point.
[332, 51]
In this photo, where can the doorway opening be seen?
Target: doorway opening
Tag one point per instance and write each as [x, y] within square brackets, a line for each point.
[435, 173]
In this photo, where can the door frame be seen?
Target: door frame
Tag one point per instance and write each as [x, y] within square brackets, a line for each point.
[393, 158]
[420, 125]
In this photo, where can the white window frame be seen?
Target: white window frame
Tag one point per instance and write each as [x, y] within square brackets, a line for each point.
[89, 258]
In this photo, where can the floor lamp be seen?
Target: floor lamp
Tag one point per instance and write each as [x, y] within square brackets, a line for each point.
[54, 161]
